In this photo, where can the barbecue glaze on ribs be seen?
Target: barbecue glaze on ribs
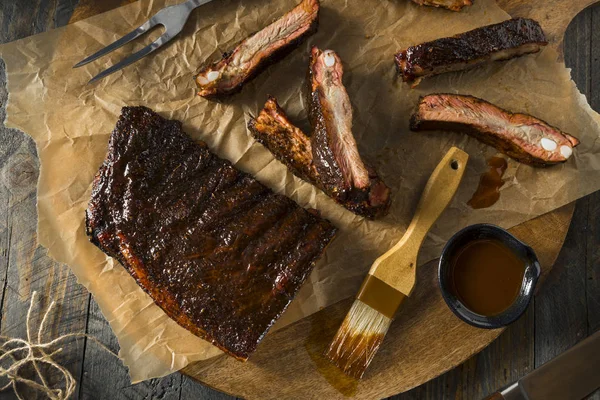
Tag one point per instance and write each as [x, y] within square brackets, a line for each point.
[219, 252]
[329, 157]
[497, 42]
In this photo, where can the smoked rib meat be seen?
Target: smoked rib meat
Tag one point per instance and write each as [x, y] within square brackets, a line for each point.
[328, 157]
[523, 137]
[496, 42]
[218, 251]
[257, 51]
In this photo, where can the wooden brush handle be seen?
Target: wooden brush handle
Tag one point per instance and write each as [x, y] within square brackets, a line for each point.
[439, 191]
[397, 267]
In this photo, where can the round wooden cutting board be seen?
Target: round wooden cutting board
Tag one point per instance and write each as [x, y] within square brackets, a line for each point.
[424, 342]
[427, 339]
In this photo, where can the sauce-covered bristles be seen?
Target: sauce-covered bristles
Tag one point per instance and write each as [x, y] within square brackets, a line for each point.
[358, 339]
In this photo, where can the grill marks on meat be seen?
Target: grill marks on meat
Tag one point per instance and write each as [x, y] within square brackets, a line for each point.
[257, 51]
[219, 252]
[524, 138]
[502, 41]
[454, 5]
[329, 158]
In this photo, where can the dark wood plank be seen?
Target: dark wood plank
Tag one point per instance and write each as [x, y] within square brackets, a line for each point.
[593, 221]
[98, 367]
[593, 226]
[19, 19]
[9, 144]
[561, 315]
[561, 310]
[105, 377]
[28, 267]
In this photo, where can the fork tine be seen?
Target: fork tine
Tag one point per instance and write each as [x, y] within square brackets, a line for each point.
[151, 23]
[134, 57]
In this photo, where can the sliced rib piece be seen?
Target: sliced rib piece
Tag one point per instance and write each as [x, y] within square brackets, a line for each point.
[502, 41]
[335, 154]
[288, 143]
[342, 173]
[257, 51]
[329, 158]
[219, 252]
[524, 138]
[454, 5]
[294, 148]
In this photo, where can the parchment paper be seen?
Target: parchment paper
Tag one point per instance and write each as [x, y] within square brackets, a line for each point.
[71, 122]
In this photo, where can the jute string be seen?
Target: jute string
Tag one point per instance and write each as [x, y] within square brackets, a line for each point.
[18, 353]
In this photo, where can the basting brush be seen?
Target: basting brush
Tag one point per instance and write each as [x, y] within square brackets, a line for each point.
[392, 276]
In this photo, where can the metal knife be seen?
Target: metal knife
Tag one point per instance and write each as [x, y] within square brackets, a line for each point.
[571, 376]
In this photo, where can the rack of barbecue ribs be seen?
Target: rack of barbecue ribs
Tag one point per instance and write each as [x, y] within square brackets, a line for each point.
[218, 251]
[256, 52]
[502, 41]
[329, 157]
[524, 138]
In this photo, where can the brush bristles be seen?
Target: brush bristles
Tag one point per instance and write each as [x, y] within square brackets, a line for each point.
[358, 339]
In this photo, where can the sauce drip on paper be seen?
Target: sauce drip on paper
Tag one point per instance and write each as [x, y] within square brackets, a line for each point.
[488, 192]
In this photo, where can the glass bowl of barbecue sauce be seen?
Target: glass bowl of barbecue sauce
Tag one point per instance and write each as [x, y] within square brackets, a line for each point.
[487, 276]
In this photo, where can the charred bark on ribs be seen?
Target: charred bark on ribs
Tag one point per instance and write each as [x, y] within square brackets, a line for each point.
[288, 143]
[524, 138]
[219, 252]
[256, 52]
[502, 41]
[329, 158]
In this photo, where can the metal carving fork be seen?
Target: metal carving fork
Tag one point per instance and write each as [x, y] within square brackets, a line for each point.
[173, 18]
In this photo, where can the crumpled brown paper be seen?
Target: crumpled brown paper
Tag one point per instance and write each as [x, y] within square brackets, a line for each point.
[71, 122]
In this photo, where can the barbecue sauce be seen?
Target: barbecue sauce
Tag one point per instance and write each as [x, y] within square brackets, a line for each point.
[486, 276]
[488, 192]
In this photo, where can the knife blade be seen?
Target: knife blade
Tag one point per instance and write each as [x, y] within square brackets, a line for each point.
[570, 376]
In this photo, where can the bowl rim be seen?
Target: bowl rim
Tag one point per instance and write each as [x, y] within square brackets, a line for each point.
[530, 278]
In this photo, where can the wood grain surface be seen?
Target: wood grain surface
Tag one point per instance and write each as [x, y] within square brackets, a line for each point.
[566, 310]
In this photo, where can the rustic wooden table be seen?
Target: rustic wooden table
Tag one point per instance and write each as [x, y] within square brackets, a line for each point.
[565, 311]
